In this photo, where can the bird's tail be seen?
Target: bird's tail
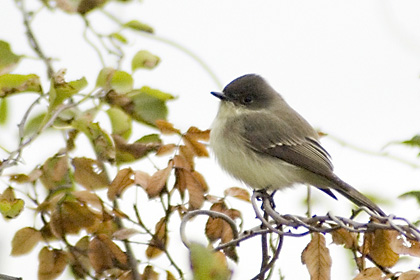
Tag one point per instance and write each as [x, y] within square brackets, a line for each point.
[355, 196]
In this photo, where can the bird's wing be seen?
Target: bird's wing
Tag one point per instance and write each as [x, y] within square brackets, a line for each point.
[276, 137]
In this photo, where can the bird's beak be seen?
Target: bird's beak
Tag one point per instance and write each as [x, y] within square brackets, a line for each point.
[219, 95]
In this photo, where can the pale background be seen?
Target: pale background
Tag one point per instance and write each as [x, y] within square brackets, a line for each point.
[350, 67]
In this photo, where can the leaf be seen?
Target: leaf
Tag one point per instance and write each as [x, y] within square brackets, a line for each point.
[149, 273]
[238, 193]
[413, 194]
[61, 90]
[400, 245]
[144, 60]
[119, 37]
[380, 249]
[410, 275]
[124, 233]
[158, 180]
[166, 149]
[121, 82]
[197, 147]
[141, 178]
[69, 217]
[120, 183]
[105, 254]
[129, 152]
[4, 110]
[371, 273]
[104, 78]
[198, 134]
[159, 240]
[121, 122]
[413, 142]
[25, 240]
[56, 173]
[90, 173]
[208, 265]
[167, 128]
[10, 206]
[345, 237]
[15, 83]
[8, 60]
[52, 263]
[34, 123]
[139, 26]
[317, 259]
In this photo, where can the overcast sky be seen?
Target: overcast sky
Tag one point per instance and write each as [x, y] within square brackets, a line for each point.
[351, 68]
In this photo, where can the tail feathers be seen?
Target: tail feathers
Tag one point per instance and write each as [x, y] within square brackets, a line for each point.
[355, 196]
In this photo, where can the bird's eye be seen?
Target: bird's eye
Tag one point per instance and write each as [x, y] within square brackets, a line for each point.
[247, 100]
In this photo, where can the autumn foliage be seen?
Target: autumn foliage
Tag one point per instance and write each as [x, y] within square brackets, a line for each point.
[105, 202]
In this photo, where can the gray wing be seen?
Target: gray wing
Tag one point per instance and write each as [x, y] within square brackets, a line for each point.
[276, 137]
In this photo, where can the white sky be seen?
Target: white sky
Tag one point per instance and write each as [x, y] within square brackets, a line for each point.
[351, 68]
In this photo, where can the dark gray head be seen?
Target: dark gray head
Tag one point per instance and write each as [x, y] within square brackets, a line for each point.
[250, 91]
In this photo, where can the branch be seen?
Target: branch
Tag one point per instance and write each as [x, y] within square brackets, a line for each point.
[33, 42]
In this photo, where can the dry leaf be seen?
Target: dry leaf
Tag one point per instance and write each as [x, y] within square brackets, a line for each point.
[70, 217]
[345, 237]
[198, 134]
[122, 180]
[401, 245]
[188, 155]
[197, 147]
[158, 180]
[52, 263]
[181, 162]
[238, 193]
[410, 275]
[371, 273]
[166, 127]
[25, 240]
[56, 172]
[136, 150]
[159, 240]
[124, 233]
[90, 173]
[317, 259]
[149, 273]
[89, 198]
[380, 250]
[181, 181]
[105, 254]
[141, 178]
[166, 149]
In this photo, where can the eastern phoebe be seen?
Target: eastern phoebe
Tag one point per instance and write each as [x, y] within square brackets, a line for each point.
[259, 139]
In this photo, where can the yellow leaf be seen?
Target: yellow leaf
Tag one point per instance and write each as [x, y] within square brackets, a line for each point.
[317, 259]
[371, 273]
[25, 240]
[380, 250]
[52, 263]
[122, 180]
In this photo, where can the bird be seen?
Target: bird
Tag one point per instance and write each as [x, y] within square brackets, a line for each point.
[260, 140]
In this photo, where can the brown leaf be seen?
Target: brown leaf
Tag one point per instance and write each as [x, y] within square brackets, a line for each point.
[410, 275]
[158, 181]
[345, 237]
[89, 198]
[135, 150]
[141, 178]
[181, 181]
[124, 233]
[52, 263]
[159, 240]
[90, 173]
[181, 162]
[371, 273]
[169, 276]
[56, 172]
[197, 147]
[78, 259]
[196, 187]
[400, 245]
[198, 134]
[188, 154]
[166, 149]
[105, 254]
[238, 193]
[166, 127]
[380, 250]
[120, 183]
[25, 240]
[317, 259]
[149, 273]
[70, 217]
